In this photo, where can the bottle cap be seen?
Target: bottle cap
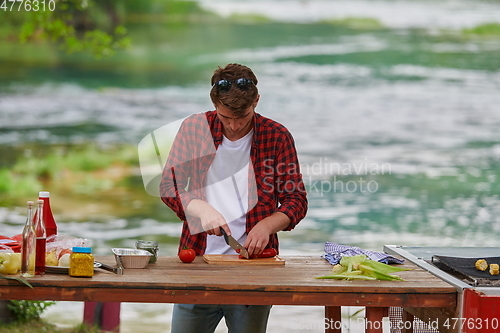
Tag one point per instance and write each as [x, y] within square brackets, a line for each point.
[29, 203]
[39, 202]
[80, 249]
[43, 194]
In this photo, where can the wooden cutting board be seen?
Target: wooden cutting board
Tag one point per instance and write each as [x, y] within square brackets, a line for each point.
[233, 259]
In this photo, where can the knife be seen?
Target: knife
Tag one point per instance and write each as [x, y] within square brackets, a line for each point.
[234, 244]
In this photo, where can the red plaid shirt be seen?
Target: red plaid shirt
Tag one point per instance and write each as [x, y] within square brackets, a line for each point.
[274, 159]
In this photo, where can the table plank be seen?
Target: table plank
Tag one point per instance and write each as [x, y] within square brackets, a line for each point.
[233, 259]
[292, 284]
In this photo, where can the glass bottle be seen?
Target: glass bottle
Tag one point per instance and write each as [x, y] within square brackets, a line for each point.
[28, 251]
[48, 217]
[41, 240]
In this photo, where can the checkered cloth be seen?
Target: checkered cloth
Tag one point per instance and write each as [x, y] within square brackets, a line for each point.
[335, 252]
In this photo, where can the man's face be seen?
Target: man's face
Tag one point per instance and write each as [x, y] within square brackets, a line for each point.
[235, 128]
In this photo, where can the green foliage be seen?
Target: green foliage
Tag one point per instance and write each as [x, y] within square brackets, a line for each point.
[34, 168]
[180, 7]
[5, 180]
[25, 311]
[94, 26]
[17, 186]
[18, 279]
[77, 25]
[85, 158]
[487, 29]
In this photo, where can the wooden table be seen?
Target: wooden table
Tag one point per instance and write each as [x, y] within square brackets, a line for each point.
[170, 281]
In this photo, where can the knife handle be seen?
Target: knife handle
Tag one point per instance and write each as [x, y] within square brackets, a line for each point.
[225, 235]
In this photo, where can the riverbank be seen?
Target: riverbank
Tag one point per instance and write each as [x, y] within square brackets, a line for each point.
[85, 179]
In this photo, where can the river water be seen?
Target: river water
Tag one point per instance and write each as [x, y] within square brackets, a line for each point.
[393, 108]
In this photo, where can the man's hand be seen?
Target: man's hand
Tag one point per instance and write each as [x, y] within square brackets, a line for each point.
[257, 239]
[210, 217]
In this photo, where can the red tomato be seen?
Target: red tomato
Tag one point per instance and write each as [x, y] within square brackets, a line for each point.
[187, 255]
[267, 253]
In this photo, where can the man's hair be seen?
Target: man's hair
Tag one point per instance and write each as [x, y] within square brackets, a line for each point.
[236, 100]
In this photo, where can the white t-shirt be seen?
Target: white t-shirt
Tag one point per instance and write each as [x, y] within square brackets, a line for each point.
[226, 189]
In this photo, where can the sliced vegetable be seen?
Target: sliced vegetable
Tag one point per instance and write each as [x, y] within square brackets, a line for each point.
[266, 253]
[481, 265]
[494, 269]
[361, 268]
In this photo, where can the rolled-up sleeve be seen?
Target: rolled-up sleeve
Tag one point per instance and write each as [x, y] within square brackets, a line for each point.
[292, 196]
[175, 176]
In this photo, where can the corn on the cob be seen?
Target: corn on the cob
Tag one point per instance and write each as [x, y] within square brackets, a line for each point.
[494, 269]
[346, 277]
[361, 268]
[338, 269]
[481, 265]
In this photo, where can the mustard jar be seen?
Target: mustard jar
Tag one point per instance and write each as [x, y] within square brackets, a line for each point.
[81, 262]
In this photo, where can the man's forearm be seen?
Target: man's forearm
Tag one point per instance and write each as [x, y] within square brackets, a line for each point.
[210, 218]
[276, 222]
[196, 207]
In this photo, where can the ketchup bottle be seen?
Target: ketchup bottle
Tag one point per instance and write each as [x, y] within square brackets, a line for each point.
[48, 217]
[41, 239]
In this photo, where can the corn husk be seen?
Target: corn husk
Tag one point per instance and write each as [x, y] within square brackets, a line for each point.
[361, 268]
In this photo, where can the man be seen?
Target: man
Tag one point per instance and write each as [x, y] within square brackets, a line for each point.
[234, 169]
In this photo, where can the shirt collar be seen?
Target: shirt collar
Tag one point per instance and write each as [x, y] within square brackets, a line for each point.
[217, 129]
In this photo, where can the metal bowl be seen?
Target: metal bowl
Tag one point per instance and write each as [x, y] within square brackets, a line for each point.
[131, 258]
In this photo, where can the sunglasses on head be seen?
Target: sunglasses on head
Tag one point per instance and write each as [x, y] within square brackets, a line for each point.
[225, 85]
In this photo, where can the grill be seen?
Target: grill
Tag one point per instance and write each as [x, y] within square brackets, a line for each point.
[464, 268]
[478, 291]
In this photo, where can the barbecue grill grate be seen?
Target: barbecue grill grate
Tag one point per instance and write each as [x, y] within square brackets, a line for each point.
[465, 269]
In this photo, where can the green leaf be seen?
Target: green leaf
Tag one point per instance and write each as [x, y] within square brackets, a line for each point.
[17, 278]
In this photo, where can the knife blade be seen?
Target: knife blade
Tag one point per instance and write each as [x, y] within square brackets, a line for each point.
[234, 244]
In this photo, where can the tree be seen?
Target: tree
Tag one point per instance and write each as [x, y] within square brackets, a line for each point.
[93, 26]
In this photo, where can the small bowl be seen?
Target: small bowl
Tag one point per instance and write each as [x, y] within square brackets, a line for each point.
[132, 258]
